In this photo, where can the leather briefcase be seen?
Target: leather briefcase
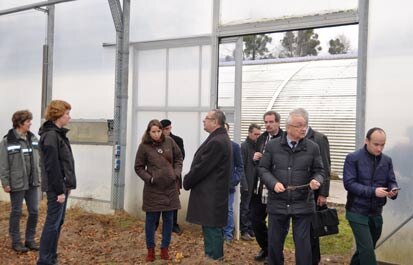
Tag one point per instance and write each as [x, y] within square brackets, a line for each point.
[325, 222]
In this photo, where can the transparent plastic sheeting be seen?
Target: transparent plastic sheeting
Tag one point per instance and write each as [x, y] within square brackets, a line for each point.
[389, 105]
[242, 11]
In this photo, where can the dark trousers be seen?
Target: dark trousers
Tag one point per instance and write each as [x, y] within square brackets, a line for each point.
[278, 226]
[259, 216]
[213, 242]
[31, 196]
[366, 233]
[150, 227]
[51, 230]
[245, 213]
[175, 218]
[315, 241]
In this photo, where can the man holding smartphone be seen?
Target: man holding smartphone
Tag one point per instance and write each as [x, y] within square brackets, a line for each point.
[369, 179]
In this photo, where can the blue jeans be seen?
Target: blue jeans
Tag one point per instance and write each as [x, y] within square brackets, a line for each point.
[31, 196]
[51, 229]
[150, 227]
[230, 223]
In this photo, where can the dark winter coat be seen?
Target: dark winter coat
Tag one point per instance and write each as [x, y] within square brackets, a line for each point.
[208, 180]
[178, 140]
[57, 163]
[19, 161]
[161, 162]
[324, 146]
[363, 173]
[238, 170]
[260, 147]
[250, 171]
[292, 168]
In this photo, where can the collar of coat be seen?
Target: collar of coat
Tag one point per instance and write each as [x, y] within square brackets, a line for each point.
[12, 138]
[301, 146]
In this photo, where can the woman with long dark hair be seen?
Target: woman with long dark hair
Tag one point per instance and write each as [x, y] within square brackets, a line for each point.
[159, 164]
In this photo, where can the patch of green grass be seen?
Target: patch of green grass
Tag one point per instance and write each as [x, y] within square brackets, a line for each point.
[339, 244]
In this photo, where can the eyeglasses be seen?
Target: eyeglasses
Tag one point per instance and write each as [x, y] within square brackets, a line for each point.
[209, 118]
[298, 126]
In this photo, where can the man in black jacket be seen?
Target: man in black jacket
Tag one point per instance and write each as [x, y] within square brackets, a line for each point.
[320, 195]
[208, 180]
[291, 168]
[166, 130]
[258, 203]
[247, 152]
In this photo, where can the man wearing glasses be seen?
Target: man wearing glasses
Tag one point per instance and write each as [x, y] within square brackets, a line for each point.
[208, 180]
[291, 168]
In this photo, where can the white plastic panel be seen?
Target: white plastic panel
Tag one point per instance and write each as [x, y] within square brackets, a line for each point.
[183, 76]
[157, 19]
[93, 171]
[151, 74]
[388, 105]
[206, 76]
[242, 11]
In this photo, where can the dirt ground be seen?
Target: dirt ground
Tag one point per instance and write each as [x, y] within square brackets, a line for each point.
[88, 238]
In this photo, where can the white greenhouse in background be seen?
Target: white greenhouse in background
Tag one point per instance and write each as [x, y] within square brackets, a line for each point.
[176, 72]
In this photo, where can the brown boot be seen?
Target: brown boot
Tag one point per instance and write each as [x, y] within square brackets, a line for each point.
[151, 255]
[164, 253]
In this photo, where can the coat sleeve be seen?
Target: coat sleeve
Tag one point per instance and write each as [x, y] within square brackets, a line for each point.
[244, 157]
[4, 164]
[392, 183]
[177, 160]
[325, 156]
[238, 167]
[264, 169]
[140, 164]
[206, 163]
[50, 151]
[350, 179]
[317, 170]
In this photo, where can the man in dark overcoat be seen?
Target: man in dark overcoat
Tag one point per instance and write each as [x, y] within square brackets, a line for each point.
[208, 180]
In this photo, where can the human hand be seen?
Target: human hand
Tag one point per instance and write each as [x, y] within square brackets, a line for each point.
[279, 187]
[61, 198]
[257, 156]
[393, 192]
[7, 189]
[314, 184]
[321, 200]
[381, 192]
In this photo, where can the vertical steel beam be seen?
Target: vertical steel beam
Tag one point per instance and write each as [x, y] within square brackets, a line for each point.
[50, 52]
[363, 11]
[214, 54]
[121, 21]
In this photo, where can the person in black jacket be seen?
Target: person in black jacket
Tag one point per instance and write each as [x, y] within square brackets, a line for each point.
[167, 127]
[247, 153]
[369, 179]
[208, 180]
[320, 195]
[258, 199]
[58, 176]
[291, 168]
[20, 177]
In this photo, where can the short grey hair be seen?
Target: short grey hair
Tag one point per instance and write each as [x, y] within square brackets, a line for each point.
[298, 112]
[220, 116]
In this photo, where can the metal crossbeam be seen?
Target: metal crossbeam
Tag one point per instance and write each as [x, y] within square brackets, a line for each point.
[32, 6]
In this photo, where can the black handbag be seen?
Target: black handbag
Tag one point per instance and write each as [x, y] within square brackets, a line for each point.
[325, 222]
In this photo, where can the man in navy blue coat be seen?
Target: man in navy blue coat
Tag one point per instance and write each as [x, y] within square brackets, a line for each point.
[369, 179]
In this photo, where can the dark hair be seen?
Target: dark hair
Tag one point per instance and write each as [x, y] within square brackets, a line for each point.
[253, 126]
[146, 138]
[20, 116]
[56, 109]
[372, 130]
[220, 116]
[271, 112]
[227, 126]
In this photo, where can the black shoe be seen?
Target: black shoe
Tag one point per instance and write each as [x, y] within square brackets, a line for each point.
[31, 245]
[261, 256]
[18, 247]
[252, 234]
[245, 236]
[177, 229]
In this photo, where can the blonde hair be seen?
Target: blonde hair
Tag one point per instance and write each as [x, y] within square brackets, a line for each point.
[56, 109]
